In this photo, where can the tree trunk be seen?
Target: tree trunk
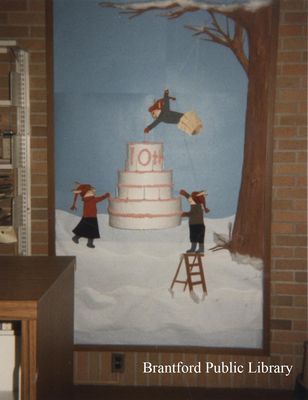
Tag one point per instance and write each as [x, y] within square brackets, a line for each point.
[248, 235]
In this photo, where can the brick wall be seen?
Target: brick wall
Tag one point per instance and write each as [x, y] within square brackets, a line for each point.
[24, 20]
[289, 218]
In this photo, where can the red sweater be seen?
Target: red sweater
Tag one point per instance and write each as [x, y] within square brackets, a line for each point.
[89, 206]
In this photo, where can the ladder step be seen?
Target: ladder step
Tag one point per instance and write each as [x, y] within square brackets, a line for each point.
[190, 264]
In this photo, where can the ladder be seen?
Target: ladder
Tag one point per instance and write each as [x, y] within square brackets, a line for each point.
[194, 268]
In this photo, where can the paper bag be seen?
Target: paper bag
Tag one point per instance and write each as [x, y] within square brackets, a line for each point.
[190, 123]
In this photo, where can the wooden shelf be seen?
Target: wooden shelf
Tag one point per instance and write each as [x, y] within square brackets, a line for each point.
[8, 43]
[8, 396]
[6, 166]
[5, 103]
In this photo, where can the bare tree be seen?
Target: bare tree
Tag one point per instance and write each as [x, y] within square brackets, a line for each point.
[259, 19]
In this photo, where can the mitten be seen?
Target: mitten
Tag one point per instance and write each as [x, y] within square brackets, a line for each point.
[184, 193]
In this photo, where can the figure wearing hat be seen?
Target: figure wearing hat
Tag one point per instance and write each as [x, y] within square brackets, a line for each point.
[188, 122]
[196, 220]
[88, 225]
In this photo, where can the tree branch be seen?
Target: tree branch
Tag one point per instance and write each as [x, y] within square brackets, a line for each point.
[238, 47]
[214, 33]
[212, 37]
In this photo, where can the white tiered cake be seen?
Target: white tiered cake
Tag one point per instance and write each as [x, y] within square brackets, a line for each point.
[144, 191]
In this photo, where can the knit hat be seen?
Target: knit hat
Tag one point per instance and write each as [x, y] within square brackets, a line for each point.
[199, 198]
[158, 105]
[80, 189]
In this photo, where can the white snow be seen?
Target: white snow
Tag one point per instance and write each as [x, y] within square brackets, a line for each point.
[122, 296]
[249, 5]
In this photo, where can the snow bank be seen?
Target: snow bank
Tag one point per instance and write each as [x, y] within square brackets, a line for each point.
[122, 296]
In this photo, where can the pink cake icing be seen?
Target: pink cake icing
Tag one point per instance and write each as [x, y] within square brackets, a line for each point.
[144, 199]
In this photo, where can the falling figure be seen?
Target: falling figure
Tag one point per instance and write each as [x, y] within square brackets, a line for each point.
[188, 122]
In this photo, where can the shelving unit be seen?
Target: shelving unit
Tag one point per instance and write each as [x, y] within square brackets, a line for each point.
[15, 144]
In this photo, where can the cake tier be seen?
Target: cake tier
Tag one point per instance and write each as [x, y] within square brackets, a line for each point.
[144, 156]
[144, 214]
[145, 178]
[152, 185]
[155, 192]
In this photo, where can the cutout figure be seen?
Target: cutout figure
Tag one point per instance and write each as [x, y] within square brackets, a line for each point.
[196, 220]
[188, 122]
[88, 225]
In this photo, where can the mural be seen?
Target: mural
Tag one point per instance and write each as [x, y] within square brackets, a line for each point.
[159, 107]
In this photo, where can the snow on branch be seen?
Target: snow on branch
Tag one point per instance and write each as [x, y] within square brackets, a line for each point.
[133, 10]
[176, 9]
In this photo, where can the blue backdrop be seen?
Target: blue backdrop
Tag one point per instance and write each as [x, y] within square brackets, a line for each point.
[109, 69]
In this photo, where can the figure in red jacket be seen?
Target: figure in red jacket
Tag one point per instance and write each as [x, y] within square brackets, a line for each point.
[88, 225]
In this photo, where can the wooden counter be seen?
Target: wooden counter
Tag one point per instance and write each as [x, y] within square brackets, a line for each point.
[39, 291]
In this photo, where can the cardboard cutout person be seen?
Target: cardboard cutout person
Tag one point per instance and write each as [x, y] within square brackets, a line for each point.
[196, 220]
[88, 225]
[188, 122]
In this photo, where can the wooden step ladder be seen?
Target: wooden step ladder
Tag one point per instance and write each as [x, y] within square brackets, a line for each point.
[194, 268]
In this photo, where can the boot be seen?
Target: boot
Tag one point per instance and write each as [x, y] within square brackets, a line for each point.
[192, 249]
[90, 244]
[201, 248]
[75, 239]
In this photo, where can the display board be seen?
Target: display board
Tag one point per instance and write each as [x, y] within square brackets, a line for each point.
[163, 155]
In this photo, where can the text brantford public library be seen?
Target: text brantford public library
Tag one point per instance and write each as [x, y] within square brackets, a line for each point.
[232, 367]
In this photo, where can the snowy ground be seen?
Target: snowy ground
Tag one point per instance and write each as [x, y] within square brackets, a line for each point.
[122, 296]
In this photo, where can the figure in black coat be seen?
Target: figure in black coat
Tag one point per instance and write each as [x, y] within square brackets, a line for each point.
[188, 122]
[161, 112]
[196, 220]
